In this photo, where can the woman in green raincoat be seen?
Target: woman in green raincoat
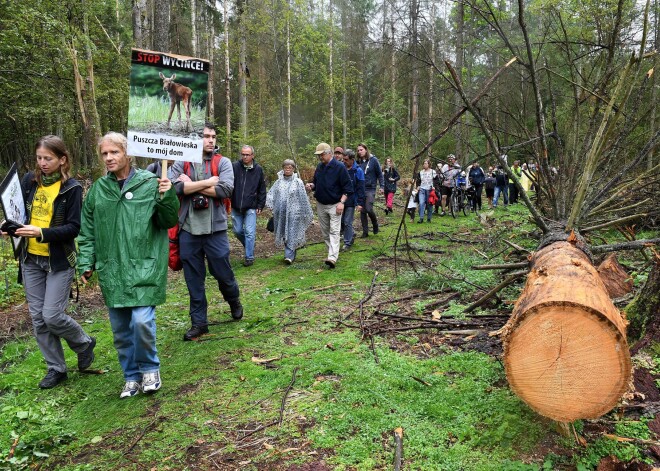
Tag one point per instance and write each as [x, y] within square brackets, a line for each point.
[123, 237]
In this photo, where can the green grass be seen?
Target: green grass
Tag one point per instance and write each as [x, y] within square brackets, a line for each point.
[149, 113]
[343, 406]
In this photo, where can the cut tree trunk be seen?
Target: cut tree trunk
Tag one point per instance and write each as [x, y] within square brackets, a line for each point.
[565, 348]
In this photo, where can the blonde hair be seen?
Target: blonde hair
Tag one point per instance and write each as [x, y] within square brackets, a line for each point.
[117, 139]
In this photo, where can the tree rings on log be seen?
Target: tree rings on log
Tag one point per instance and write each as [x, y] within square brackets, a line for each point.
[565, 349]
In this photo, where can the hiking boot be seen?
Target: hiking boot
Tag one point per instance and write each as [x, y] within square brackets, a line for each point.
[151, 382]
[86, 358]
[236, 310]
[288, 261]
[52, 379]
[131, 388]
[330, 263]
[248, 262]
[375, 230]
[195, 331]
[365, 235]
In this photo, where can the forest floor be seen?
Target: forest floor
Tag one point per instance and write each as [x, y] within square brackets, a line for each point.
[322, 369]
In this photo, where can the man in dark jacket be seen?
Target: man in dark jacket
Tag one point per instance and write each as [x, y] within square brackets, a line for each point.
[477, 179]
[373, 178]
[501, 187]
[356, 175]
[247, 201]
[332, 188]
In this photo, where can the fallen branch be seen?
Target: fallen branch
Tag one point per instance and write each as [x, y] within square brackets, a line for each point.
[139, 437]
[515, 246]
[324, 288]
[398, 448]
[616, 222]
[425, 249]
[501, 266]
[286, 394]
[507, 281]
[420, 380]
[413, 296]
[630, 245]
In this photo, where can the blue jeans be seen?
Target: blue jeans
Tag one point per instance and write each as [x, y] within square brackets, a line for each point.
[424, 204]
[347, 223]
[501, 190]
[245, 228]
[215, 248]
[134, 331]
[289, 252]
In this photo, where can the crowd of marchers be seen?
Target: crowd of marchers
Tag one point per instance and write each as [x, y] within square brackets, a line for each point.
[119, 231]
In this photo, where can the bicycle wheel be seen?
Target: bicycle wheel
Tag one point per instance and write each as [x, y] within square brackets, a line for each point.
[464, 203]
[453, 204]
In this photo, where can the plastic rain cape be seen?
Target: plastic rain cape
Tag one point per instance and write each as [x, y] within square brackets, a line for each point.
[292, 211]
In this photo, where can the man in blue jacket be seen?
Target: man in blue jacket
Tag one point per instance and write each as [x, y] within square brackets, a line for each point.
[373, 178]
[332, 188]
[356, 175]
[247, 201]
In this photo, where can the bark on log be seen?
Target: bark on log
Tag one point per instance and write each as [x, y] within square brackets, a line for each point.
[565, 348]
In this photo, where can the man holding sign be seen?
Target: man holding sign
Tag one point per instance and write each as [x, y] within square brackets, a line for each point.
[203, 230]
[123, 236]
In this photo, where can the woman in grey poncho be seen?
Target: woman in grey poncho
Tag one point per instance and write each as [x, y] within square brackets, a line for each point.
[292, 212]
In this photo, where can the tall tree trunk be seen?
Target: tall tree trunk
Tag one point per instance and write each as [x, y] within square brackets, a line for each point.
[193, 26]
[332, 88]
[654, 82]
[161, 26]
[393, 81]
[85, 94]
[139, 23]
[460, 25]
[210, 47]
[288, 79]
[243, 70]
[227, 74]
[431, 76]
[414, 119]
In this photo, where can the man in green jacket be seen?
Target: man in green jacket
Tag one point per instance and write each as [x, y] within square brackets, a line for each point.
[123, 236]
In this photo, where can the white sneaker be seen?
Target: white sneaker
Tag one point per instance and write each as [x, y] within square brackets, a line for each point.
[131, 388]
[288, 261]
[151, 381]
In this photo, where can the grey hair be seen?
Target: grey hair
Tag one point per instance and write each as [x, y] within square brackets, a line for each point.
[117, 139]
[289, 162]
[248, 147]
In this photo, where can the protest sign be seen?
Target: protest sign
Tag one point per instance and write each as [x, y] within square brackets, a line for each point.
[12, 202]
[167, 106]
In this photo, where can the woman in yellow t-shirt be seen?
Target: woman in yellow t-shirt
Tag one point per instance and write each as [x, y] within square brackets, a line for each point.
[48, 256]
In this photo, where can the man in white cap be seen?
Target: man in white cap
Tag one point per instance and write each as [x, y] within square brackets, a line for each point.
[332, 187]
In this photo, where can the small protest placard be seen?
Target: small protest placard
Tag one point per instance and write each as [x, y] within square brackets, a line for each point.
[11, 199]
[167, 106]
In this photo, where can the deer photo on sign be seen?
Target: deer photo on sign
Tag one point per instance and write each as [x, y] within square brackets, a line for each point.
[178, 93]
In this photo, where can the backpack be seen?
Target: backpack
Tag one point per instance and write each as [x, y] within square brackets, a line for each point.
[174, 258]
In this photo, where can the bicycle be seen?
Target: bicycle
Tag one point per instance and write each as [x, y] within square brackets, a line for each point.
[458, 200]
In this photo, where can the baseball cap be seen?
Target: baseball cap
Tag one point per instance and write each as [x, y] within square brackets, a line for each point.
[322, 148]
[339, 149]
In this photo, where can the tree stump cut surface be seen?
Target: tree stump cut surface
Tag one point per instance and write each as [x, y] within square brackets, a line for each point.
[565, 349]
